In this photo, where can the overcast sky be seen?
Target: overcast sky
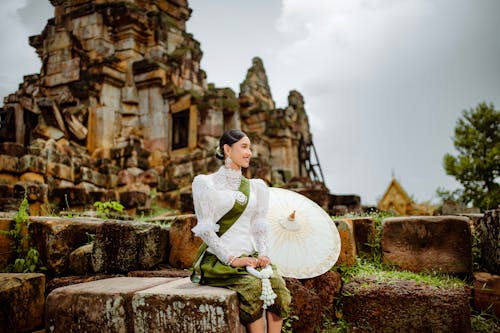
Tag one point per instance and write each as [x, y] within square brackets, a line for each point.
[384, 81]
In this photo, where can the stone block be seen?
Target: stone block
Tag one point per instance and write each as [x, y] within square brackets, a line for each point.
[183, 243]
[6, 178]
[96, 306]
[125, 177]
[93, 177]
[60, 171]
[22, 299]
[6, 191]
[129, 95]
[158, 159]
[182, 169]
[34, 191]
[9, 164]
[186, 200]
[364, 233]
[122, 246]
[61, 78]
[348, 252]
[12, 149]
[63, 66]
[149, 177]
[60, 40]
[32, 177]
[134, 199]
[80, 260]
[102, 196]
[184, 307]
[487, 292]
[327, 286]
[306, 304]
[55, 238]
[71, 196]
[9, 204]
[488, 230]
[420, 243]
[48, 132]
[404, 306]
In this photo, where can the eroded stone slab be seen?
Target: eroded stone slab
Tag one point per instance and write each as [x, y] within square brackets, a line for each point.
[487, 292]
[184, 307]
[348, 252]
[97, 306]
[306, 304]
[364, 233]
[55, 238]
[123, 246]
[371, 305]
[327, 286]
[488, 228]
[183, 243]
[419, 243]
[80, 260]
[22, 298]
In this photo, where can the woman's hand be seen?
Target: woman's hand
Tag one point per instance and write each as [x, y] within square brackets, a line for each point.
[263, 261]
[245, 261]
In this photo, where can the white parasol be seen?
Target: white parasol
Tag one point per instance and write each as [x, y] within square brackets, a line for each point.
[304, 240]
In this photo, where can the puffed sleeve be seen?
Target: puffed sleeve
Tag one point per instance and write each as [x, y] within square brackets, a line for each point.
[259, 224]
[207, 226]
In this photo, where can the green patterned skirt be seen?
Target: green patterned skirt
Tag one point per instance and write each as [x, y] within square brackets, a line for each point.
[247, 286]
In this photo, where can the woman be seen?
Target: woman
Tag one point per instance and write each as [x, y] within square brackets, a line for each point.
[231, 212]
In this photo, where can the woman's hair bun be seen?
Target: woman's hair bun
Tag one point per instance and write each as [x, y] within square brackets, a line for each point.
[228, 138]
[219, 154]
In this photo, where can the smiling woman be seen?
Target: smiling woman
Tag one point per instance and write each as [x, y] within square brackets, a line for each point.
[231, 212]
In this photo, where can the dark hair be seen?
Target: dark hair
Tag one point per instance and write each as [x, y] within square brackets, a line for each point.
[228, 138]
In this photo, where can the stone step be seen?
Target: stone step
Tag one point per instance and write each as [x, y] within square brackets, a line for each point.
[134, 304]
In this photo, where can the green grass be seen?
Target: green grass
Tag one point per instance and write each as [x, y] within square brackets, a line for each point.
[365, 267]
[484, 322]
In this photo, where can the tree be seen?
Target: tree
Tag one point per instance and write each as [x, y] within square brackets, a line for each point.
[477, 166]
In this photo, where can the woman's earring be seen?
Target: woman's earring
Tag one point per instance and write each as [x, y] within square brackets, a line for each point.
[228, 162]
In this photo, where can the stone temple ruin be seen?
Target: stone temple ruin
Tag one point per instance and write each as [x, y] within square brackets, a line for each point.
[121, 110]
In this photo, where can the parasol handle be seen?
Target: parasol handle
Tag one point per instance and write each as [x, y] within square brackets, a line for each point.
[291, 217]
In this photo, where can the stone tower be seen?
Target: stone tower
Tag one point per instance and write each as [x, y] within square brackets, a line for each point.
[121, 111]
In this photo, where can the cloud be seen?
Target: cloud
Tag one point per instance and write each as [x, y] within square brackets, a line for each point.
[18, 20]
[344, 37]
[384, 82]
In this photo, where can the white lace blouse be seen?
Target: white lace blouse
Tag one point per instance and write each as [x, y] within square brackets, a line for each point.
[214, 195]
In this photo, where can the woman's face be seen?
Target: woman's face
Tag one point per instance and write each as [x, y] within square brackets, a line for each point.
[239, 152]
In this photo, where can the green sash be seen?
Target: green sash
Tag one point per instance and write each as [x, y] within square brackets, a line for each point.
[224, 224]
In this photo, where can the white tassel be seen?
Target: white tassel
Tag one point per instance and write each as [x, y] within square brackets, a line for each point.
[268, 295]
